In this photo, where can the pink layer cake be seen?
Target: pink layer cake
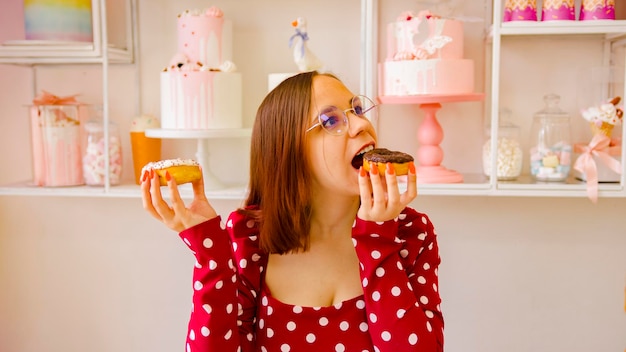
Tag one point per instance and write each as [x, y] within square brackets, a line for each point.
[425, 56]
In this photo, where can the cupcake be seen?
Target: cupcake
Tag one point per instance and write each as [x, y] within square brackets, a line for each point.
[604, 117]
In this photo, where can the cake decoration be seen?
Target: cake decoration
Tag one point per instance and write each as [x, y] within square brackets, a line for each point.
[304, 58]
[408, 48]
[599, 161]
[604, 117]
[425, 57]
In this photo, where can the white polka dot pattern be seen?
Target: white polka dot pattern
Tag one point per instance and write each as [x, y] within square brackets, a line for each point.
[398, 311]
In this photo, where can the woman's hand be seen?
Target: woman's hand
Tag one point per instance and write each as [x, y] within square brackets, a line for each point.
[382, 201]
[177, 217]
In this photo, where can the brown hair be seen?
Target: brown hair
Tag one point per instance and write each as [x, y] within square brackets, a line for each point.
[280, 198]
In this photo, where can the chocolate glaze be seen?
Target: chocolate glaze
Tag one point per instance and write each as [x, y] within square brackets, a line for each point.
[383, 155]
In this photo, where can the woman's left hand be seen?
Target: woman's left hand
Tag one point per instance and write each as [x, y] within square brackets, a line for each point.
[380, 196]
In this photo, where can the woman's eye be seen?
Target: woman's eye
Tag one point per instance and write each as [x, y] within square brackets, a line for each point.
[358, 110]
[329, 120]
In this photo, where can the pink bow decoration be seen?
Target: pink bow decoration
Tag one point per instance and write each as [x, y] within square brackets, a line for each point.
[47, 98]
[600, 148]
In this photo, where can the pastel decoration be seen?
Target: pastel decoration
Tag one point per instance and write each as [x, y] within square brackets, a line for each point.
[56, 140]
[63, 20]
[597, 10]
[304, 58]
[598, 149]
[520, 10]
[558, 10]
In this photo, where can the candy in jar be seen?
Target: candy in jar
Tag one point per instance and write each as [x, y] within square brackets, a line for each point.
[551, 147]
[509, 156]
[94, 169]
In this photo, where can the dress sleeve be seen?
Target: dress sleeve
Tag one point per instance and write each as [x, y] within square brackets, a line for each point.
[399, 260]
[217, 321]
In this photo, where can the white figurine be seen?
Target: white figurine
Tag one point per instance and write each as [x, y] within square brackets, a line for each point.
[303, 57]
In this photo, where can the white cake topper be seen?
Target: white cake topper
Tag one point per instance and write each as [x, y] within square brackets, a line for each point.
[302, 56]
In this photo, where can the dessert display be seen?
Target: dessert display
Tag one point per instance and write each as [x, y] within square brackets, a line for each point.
[551, 147]
[381, 156]
[145, 149]
[597, 10]
[56, 139]
[603, 118]
[200, 88]
[181, 170]
[599, 159]
[520, 10]
[558, 10]
[94, 163]
[425, 56]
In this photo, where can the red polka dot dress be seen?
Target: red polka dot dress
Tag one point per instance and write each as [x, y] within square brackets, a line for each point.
[398, 311]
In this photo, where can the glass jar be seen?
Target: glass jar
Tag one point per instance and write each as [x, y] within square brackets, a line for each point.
[510, 156]
[56, 145]
[550, 145]
[94, 169]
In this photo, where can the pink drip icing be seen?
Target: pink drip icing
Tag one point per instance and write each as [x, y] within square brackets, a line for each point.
[194, 35]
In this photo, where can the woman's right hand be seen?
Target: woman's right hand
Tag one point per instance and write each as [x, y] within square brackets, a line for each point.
[178, 216]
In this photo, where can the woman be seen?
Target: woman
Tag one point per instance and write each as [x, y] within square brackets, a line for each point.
[323, 256]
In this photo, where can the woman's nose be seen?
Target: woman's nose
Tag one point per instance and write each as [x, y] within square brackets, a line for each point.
[357, 124]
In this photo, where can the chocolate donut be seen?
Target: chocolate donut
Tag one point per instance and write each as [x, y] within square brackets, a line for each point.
[182, 170]
[381, 156]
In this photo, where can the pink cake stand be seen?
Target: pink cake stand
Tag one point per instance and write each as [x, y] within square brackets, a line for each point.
[430, 135]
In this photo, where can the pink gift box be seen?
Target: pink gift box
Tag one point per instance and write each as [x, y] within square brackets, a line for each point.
[56, 135]
[605, 174]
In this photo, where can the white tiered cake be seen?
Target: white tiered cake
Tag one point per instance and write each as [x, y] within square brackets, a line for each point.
[200, 88]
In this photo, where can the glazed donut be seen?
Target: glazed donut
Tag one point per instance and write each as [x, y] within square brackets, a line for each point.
[182, 170]
[381, 156]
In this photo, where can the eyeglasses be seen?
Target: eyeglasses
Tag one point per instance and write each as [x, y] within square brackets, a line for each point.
[335, 121]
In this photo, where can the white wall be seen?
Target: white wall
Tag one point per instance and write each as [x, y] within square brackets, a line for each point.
[96, 274]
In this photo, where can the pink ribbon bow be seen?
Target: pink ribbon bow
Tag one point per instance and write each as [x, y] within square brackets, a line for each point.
[50, 99]
[598, 147]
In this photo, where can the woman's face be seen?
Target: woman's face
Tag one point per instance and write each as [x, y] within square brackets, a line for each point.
[335, 159]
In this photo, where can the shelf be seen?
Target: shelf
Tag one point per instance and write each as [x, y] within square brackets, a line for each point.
[474, 185]
[598, 27]
[428, 99]
[198, 134]
[64, 54]
[120, 191]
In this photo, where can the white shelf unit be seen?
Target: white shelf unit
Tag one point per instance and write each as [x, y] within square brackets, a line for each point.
[121, 49]
[611, 32]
